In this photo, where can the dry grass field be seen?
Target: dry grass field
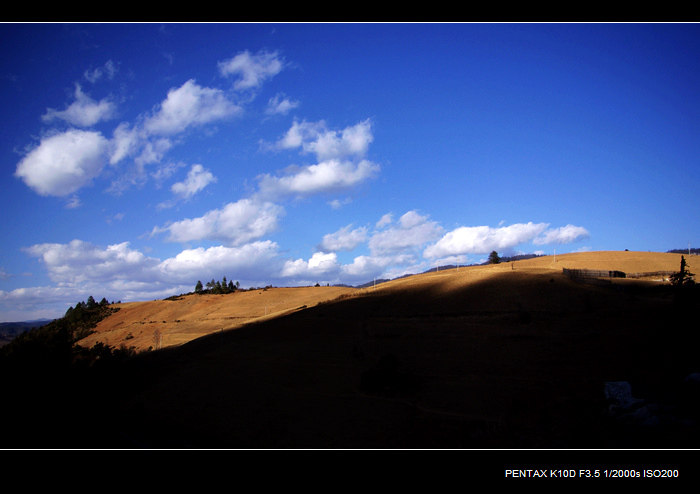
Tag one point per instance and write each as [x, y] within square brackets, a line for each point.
[163, 323]
[514, 355]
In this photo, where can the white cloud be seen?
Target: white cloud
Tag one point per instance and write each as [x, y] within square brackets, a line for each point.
[119, 272]
[562, 235]
[165, 171]
[320, 265]
[108, 70]
[63, 163]
[315, 137]
[79, 262]
[344, 239]
[236, 223]
[337, 203]
[153, 152]
[337, 151]
[256, 260]
[483, 239]
[412, 230]
[197, 178]
[327, 176]
[125, 142]
[385, 220]
[280, 105]
[364, 268]
[252, 70]
[84, 112]
[189, 105]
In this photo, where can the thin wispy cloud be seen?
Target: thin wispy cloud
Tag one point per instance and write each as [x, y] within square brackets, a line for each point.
[251, 71]
[84, 111]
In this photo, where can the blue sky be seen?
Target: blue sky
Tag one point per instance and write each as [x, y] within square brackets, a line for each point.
[140, 158]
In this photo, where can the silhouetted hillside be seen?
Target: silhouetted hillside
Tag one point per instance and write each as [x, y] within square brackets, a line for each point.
[496, 356]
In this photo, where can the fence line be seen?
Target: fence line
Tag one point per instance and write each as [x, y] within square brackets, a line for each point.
[584, 274]
[601, 277]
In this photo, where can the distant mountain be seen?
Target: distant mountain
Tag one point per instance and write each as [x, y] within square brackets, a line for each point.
[9, 330]
[684, 251]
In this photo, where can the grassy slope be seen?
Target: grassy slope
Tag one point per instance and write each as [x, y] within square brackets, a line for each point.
[491, 356]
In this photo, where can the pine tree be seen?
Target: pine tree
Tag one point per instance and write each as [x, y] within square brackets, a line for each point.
[683, 277]
[494, 258]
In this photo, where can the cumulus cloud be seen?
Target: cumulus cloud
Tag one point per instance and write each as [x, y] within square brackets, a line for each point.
[343, 239]
[327, 176]
[326, 144]
[255, 260]
[252, 70]
[562, 235]
[84, 112]
[63, 163]
[340, 153]
[187, 106]
[236, 223]
[484, 239]
[78, 262]
[411, 231]
[81, 269]
[364, 268]
[321, 264]
[197, 178]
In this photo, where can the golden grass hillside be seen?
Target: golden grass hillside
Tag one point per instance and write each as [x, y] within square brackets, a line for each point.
[163, 323]
[514, 355]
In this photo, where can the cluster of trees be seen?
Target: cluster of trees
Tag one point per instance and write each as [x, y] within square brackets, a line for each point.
[54, 343]
[216, 287]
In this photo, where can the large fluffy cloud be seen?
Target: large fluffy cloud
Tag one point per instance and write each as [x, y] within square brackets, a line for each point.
[236, 223]
[253, 261]
[321, 264]
[328, 176]
[79, 262]
[63, 163]
[189, 105]
[327, 144]
[484, 239]
[340, 154]
[121, 272]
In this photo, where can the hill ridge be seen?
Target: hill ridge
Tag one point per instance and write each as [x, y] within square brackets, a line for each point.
[157, 324]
